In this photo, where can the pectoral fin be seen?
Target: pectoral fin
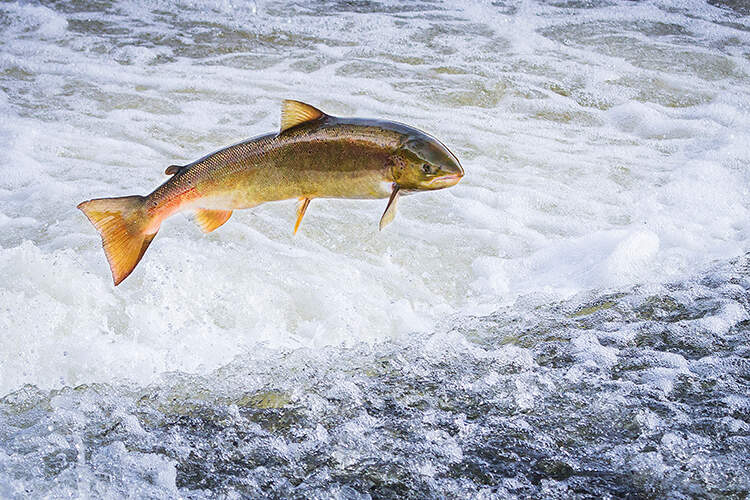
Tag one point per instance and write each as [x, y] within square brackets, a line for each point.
[208, 220]
[390, 210]
[302, 204]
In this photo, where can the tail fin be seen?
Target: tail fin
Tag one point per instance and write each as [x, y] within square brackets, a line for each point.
[122, 223]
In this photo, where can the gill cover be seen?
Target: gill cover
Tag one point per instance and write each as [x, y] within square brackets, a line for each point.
[421, 161]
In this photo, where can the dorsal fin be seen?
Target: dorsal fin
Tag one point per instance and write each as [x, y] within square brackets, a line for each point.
[295, 112]
[174, 169]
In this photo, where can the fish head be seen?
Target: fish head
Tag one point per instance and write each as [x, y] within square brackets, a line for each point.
[423, 163]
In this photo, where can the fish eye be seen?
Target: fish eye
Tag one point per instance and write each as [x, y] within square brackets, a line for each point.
[426, 168]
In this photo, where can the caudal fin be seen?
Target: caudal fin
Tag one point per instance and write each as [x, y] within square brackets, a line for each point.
[122, 223]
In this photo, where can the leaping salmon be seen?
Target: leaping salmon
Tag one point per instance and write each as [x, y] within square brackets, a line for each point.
[314, 155]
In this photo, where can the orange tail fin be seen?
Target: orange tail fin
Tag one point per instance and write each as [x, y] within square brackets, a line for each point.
[122, 223]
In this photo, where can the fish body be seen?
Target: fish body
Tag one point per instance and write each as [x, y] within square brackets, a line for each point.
[313, 156]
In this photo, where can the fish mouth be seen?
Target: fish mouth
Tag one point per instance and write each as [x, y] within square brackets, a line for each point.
[446, 180]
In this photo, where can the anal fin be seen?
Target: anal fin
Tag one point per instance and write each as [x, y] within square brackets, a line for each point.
[302, 204]
[208, 220]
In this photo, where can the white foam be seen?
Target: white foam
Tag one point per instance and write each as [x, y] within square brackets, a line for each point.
[589, 165]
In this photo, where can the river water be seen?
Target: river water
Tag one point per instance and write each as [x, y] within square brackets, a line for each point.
[571, 320]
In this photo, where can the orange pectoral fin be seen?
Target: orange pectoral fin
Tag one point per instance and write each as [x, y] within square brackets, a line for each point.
[208, 220]
[302, 204]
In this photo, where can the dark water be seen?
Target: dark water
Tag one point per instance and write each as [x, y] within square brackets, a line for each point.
[630, 394]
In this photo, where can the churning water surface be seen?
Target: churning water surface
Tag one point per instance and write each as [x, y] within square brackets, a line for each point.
[571, 320]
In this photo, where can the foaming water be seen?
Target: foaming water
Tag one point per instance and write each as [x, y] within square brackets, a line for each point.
[605, 146]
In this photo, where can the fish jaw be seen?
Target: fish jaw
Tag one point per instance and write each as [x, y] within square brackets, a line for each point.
[445, 181]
